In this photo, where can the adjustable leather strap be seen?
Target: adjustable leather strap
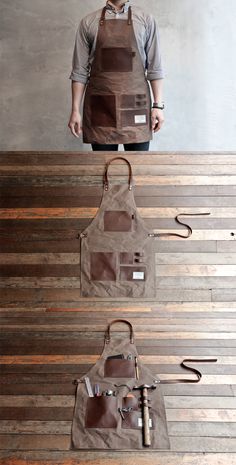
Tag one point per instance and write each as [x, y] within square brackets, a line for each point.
[190, 231]
[108, 335]
[129, 16]
[193, 370]
[102, 19]
[105, 179]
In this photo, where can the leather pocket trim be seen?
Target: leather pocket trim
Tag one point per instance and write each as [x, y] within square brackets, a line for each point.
[119, 368]
[117, 221]
[101, 412]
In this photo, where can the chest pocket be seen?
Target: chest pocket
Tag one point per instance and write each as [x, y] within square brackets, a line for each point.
[117, 59]
[118, 221]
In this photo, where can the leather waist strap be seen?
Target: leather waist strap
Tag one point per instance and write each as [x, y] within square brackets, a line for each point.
[190, 231]
[193, 370]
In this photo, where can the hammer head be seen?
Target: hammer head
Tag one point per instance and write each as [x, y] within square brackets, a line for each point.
[144, 386]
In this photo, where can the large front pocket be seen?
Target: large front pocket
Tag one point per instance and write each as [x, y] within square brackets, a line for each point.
[117, 221]
[103, 266]
[101, 412]
[117, 59]
[119, 368]
[103, 110]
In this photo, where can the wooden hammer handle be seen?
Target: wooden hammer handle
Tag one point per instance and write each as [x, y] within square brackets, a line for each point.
[146, 428]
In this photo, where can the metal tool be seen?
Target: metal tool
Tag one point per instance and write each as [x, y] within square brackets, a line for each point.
[145, 411]
[97, 392]
[88, 386]
[136, 367]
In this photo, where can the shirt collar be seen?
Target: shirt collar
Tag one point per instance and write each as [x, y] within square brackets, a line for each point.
[124, 9]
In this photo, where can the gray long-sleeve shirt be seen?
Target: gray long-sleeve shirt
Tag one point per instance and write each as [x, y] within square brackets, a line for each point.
[146, 33]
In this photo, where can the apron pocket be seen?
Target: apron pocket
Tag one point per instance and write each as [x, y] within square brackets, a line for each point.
[127, 101]
[117, 221]
[103, 110]
[126, 258]
[133, 273]
[117, 59]
[103, 266]
[134, 420]
[134, 118]
[101, 412]
[119, 368]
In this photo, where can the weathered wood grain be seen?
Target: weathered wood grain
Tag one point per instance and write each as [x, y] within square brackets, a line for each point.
[116, 458]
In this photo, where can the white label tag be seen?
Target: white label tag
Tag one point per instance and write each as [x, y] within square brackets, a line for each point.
[140, 422]
[138, 119]
[138, 274]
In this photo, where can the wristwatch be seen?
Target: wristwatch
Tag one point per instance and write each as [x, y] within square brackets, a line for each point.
[159, 106]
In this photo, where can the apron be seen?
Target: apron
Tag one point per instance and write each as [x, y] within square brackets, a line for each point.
[117, 257]
[113, 418]
[117, 102]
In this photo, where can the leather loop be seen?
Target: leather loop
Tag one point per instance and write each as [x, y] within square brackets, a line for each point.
[108, 335]
[105, 180]
[193, 370]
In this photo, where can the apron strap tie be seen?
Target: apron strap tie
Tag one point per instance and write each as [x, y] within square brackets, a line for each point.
[108, 335]
[105, 179]
[102, 19]
[193, 370]
[190, 231]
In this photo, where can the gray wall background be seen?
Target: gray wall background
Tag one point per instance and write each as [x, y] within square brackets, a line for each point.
[198, 41]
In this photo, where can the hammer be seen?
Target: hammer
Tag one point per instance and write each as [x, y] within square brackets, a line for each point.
[145, 411]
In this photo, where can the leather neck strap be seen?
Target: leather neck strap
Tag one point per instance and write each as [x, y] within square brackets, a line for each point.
[106, 182]
[108, 335]
[102, 19]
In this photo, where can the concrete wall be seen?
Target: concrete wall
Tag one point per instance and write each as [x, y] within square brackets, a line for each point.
[198, 41]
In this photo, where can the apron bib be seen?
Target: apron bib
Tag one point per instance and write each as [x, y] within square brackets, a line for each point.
[117, 102]
[109, 413]
[117, 257]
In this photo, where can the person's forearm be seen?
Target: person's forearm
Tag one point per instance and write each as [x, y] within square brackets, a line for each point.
[157, 90]
[77, 95]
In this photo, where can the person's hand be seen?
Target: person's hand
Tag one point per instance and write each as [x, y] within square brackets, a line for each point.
[75, 123]
[157, 118]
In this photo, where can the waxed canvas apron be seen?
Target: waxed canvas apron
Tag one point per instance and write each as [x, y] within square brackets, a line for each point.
[115, 421]
[117, 257]
[117, 98]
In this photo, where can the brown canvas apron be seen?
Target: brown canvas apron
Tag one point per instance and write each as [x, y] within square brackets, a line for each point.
[117, 257]
[117, 99]
[115, 421]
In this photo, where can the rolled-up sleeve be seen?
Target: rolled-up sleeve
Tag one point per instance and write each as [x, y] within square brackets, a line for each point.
[80, 63]
[153, 52]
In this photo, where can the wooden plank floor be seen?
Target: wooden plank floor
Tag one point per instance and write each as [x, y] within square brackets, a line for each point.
[50, 335]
